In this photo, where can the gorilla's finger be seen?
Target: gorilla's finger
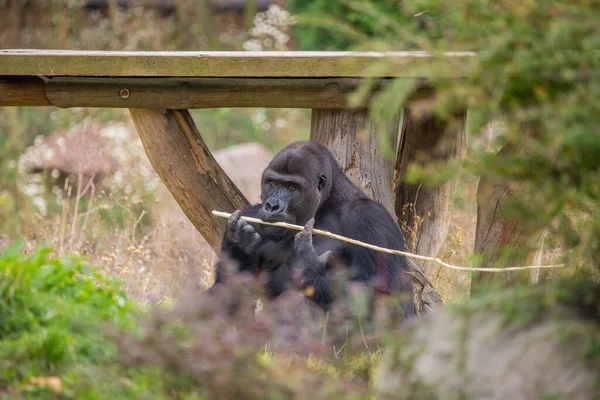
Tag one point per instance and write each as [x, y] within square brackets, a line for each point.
[324, 257]
[238, 230]
[248, 229]
[303, 236]
[309, 225]
[248, 235]
[235, 216]
[255, 239]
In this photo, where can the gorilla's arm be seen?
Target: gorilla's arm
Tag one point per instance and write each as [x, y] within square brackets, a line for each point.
[369, 222]
[309, 270]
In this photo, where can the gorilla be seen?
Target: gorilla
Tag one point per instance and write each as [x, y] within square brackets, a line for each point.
[304, 185]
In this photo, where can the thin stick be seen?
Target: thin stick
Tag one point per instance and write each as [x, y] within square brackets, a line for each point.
[383, 249]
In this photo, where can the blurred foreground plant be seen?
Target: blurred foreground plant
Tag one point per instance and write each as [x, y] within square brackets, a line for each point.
[533, 74]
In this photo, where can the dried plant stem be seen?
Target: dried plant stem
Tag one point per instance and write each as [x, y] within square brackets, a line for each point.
[383, 249]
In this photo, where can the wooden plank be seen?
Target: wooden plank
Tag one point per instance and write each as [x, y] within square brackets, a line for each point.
[188, 93]
[227, 64]
[188, 169]
[22, 91]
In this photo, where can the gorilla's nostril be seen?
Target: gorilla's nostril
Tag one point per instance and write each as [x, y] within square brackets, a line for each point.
[273, 207]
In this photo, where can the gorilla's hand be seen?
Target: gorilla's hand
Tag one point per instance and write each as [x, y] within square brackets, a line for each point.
[306, 264]
[240, 236]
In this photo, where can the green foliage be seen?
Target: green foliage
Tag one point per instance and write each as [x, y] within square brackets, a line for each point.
[341, 24]
[574, 296]
[58, 321]
[536, 72]
[68, 331]
[52, 315]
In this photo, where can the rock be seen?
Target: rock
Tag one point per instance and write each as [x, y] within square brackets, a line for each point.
[478, 355]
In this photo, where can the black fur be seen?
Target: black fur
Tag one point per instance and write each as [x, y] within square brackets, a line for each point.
[302, 182]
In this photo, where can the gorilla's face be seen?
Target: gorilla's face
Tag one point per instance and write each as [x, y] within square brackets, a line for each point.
[293, 185]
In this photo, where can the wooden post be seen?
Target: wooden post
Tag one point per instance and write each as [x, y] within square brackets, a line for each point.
[500, 239]
[352, 137]
[424, 212]
[186, 166]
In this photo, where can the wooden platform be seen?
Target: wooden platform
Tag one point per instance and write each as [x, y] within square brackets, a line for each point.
[186, 80]
[240, 64]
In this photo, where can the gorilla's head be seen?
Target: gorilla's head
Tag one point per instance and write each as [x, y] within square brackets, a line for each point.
[297, 182]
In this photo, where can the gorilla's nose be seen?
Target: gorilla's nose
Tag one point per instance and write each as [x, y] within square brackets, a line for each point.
[273, 207]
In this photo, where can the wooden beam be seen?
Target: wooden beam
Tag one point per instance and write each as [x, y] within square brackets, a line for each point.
[260, 64]
[188, 169]
[22, 91]
[188, 93]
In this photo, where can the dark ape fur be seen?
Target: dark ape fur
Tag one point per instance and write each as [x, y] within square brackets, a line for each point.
[303, 182]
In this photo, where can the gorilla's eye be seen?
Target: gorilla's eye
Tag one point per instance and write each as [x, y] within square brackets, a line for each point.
[322, 180]
[271, 183]
[291, 186]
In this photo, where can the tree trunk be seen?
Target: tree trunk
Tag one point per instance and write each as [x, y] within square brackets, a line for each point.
[423, 211]
[352, 138]
[188, 169]
[500, 240]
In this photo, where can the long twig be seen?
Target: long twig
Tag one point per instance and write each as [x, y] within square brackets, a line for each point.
[383, 249]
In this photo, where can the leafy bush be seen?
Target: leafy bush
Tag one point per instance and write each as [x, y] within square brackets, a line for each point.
[340, 24]
[535, 73]
[67, 330]
[53, 315]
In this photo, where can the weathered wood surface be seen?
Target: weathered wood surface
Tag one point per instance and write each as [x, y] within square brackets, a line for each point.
[352, 138]
[265, 64]
[423, 211]
[500, 239]
[22, 91]
[188, 93]
[187, 168]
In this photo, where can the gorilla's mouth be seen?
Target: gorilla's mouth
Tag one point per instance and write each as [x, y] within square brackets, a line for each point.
[277, 218]
[275, 232]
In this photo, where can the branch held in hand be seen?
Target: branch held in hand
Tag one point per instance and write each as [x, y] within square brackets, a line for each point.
[383, 249]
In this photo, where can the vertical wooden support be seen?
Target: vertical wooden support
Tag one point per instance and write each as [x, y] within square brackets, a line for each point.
[352, 137]
[188, 169]
[500, 240]
[424, 212]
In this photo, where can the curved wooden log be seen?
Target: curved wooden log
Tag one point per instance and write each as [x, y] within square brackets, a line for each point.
[188, 169]
[424, 212]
